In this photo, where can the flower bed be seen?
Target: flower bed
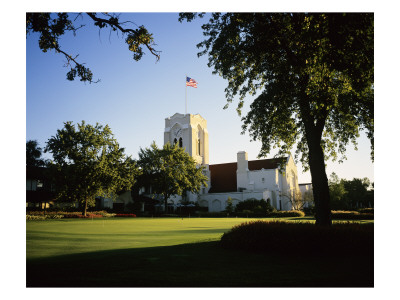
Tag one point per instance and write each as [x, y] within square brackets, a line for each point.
[125, 215]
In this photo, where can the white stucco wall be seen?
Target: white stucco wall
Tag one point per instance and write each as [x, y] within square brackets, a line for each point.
[217, 201]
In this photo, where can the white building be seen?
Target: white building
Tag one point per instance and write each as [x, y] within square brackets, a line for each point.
[240, 180]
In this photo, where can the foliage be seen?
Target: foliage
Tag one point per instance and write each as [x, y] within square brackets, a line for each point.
[52, 27]
[254, 206]
[301, 238]
[286, 213]
[229, 205]
[88, 162]
[350, 194]
[315, 74]
[357, 193]
[125, 215]
[309, 210]
[170, 171]
[35, 217]
[366, 210]
[40, 215]
[33, 154]
[296, 199]
[336, 192]
[351, 215]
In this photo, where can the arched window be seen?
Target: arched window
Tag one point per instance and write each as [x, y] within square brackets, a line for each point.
[180, 142]
[175, 141]
[198, 147]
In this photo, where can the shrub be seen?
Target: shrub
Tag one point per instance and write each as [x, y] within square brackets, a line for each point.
[54, 216]
[254, 205]
[351, 215]
[80, 216]
[125, 215]
[286, 213]
[309, 211]
[35, 217]
[366, 210]
[301, 238]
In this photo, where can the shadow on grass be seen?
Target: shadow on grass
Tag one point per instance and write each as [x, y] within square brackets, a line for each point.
[197, 265]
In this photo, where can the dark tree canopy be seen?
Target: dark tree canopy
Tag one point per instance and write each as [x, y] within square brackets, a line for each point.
[52, 27]
[34, 154]
[314, 76]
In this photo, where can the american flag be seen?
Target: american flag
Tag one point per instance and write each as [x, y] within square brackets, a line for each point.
[191, 82]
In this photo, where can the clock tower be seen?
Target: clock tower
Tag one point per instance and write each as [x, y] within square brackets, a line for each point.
[189, 132]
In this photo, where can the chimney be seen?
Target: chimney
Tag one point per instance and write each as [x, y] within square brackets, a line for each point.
[242, 162]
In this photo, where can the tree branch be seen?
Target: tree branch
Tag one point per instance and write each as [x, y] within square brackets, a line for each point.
[113, 22]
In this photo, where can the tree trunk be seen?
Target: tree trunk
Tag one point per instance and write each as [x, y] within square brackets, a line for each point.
[85, 208]
[319, 183]
[314, 127]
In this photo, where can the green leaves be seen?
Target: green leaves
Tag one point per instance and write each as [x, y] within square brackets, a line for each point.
[170, 170]
[312, 70]
[52, 27]
[88, 162]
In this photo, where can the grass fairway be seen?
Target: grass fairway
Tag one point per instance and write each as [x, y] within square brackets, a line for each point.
[169, 252]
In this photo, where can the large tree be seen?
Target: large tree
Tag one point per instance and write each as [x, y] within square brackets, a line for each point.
[170, 171]
[88, 162]
[52, 27]
[314, 74]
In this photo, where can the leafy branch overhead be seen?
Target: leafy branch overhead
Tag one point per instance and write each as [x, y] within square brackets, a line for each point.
[52, 26]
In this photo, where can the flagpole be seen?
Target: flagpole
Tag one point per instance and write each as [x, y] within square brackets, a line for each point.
[185, 95]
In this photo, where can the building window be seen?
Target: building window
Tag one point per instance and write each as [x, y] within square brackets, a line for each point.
[39, 185]
[198, 147]
[175, 141]
[180, 142]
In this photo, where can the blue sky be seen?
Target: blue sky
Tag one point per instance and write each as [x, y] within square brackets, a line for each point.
[134, 98]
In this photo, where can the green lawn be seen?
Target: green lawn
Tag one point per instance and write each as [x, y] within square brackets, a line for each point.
[170, 252]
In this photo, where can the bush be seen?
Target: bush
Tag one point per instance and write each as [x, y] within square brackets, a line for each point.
[286, 213]
[366, 210]
[80, 216]
[125, 215]
[255, 206]
[39, 215]
[309, 211]
[351, 215]
[35, 217]
[301, 238]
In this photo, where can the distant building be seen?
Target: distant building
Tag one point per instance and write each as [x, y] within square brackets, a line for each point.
[39, 193]
[240, 180]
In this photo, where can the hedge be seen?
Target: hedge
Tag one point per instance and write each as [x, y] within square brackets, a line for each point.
[301, 238]
[286, 213]
[351, 215]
